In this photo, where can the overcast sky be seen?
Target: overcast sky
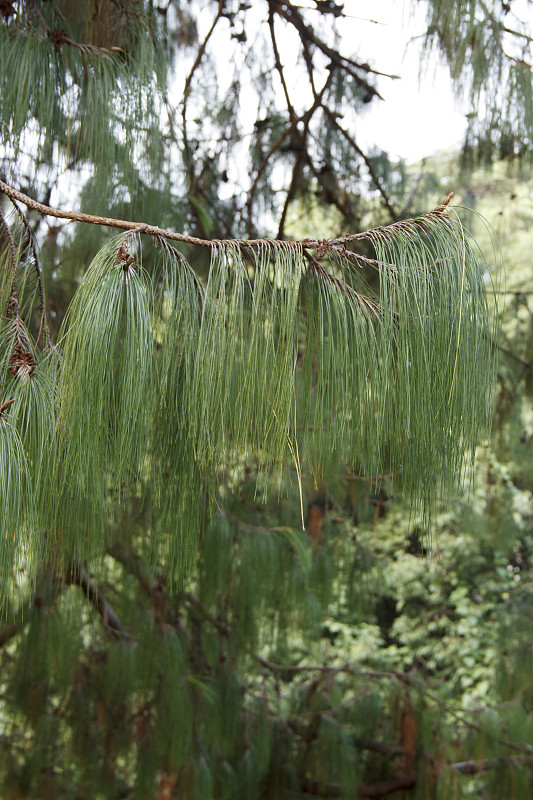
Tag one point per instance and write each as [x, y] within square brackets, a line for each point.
[416, 118]
[420, 114]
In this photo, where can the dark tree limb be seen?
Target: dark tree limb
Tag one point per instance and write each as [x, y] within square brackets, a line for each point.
[378, 789]
[163, 609]
[526, 365]
[78, 576]
[291, 15]
[299, 163]
[305, 119]
[310, 731]
[219, 624]
[279, 66]
[475, 766]
[383, 788]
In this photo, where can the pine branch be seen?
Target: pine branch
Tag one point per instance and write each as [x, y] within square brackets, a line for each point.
[473, 767]
[60, 37]
[337, 243]
[379, 368]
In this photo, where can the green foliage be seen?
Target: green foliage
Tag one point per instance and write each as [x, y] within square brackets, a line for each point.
[17, 506]
[169, 418]
[250, 683]
[90, 85]
[151, 378]
[105, 378]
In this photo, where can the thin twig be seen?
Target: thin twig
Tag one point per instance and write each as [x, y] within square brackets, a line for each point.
[437, 214]
[305, 119]
[38, 272]
[362, 301]
[186, 91]
[279, 65]
[6, 405]
[371, 171]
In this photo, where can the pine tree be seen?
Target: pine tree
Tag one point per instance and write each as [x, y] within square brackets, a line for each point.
[161, 395]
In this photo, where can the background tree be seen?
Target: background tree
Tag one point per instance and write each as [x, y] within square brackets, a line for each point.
[152, 648]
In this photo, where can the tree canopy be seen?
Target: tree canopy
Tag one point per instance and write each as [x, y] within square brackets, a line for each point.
[158, 383]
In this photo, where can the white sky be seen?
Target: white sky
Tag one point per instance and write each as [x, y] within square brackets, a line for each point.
[419, 114]
[417, 117]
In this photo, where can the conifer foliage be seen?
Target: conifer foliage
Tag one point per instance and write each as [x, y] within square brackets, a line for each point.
[155, 386]
[155, 370]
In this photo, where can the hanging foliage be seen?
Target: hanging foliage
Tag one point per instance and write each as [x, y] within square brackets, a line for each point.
[158, 383]
[86, 78]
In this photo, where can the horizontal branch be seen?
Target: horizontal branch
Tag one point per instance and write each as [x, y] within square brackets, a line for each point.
[378, 789]
[475, 766]
[348, 669]
[153, 230]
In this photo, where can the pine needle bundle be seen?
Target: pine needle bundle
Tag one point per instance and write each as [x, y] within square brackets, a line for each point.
[160, 384]
[105, 380]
